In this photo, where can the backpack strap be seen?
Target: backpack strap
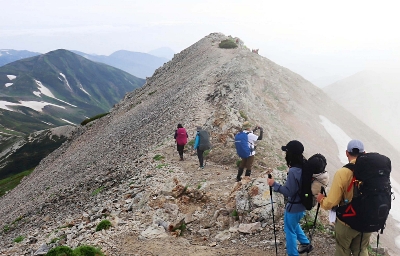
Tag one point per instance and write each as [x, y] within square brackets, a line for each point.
[251, 144]
[350, 166]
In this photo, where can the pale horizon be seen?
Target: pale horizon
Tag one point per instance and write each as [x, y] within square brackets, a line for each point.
[320, 41]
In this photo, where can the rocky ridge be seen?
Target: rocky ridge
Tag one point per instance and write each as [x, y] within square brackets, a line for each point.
[107, 170]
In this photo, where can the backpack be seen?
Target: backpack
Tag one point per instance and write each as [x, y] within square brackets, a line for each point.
[242, 145]
[371, 203]
[314, 165]
[204, 140]
[181, 138]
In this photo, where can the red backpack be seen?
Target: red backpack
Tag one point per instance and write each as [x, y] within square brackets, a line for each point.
[181, 138]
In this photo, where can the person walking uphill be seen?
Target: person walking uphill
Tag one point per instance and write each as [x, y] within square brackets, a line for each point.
[181, 138]
[201, 144]
[294, 209]
[348, 241]
[245, 147]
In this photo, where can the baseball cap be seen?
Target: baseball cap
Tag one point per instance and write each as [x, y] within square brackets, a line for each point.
[295, 147]
[355, 144]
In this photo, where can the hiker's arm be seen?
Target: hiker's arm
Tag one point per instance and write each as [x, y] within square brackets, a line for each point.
[335, 193]
[196, 141]
[261, 132]
[289, 189]
[176, 134]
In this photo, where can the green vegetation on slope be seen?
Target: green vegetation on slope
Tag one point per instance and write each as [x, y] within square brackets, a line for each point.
[12, 181]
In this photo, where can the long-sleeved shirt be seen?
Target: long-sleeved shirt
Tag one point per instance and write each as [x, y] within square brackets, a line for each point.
[338, 191]
[196, 141]
[291, 189]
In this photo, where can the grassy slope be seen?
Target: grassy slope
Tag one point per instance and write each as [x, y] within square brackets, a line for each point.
[12, 181]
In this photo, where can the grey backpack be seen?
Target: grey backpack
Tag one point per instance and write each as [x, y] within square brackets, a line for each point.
[204, 140]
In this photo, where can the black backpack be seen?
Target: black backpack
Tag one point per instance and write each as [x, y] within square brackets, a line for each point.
[371, 203]
[314, 165]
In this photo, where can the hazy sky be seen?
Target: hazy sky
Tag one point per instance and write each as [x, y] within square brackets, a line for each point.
[322, 41]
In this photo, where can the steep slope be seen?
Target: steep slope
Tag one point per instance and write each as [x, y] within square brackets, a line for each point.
[372, 96]
[135, 63]
[57, 88]
[110, 169]
[9, 55]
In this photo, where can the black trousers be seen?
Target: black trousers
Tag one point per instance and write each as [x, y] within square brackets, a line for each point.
[200, 156]
[180, 150]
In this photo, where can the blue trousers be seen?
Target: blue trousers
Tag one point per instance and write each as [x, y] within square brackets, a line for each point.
[294, 232]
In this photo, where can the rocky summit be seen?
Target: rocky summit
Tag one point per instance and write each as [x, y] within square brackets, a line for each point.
[125, 168]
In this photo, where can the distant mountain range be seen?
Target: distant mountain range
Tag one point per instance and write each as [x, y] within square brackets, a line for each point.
[139, 64]
[8, 56]
[56, 89]
[135, 63]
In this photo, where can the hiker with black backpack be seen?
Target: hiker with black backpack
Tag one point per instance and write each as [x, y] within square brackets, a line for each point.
[181, 138]
[245, 147]
[294, 209]
[360, 194]
[201, 144]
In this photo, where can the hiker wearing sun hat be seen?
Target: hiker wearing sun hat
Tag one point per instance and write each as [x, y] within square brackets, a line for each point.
[245, 147]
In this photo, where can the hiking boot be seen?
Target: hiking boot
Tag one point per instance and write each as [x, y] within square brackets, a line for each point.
[200, 168]
[181, 159]
[305, 248]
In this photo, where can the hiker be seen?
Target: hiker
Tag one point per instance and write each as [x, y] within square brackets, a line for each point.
[348, 240]
[201, 144]
[294, 209]
[180, 137]
[247, 162]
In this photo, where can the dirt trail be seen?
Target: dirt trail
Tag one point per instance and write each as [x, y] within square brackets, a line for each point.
[220, 180]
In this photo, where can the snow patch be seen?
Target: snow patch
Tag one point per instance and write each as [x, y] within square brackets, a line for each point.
[338, 135]
[61, 74]
[48, 123]
[67, 121]
[48, 93]
[11, 77]
[43, 89]
[38, 105]
[8, 84]
[81, 87]
[35, 105]
[4, 104]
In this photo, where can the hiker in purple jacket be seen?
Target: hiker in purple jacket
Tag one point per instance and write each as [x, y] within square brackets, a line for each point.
[181, 138]
[294, 209]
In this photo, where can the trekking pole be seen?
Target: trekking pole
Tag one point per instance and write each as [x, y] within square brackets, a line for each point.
[273, 218]
[316, 215]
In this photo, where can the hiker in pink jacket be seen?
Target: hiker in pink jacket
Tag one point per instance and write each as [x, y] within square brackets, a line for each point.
[181, 138]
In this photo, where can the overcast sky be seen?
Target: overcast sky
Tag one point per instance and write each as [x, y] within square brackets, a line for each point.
[322, 41]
